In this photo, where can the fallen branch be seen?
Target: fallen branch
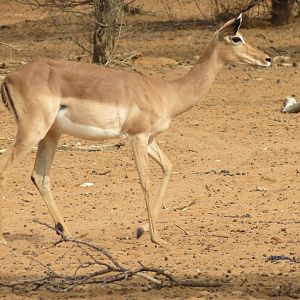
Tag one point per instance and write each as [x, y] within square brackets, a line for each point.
[74, 40]
[106, 270]
[5, 139]
[10, 46]
[276, 258]
[185, 231]
[92, 148]
[186, 207]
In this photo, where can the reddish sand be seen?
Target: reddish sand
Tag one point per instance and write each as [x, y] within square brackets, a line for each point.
[234, 196]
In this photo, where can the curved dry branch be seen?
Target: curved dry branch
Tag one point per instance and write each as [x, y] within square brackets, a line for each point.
[56, 4]
[10, 46]
[106, 272]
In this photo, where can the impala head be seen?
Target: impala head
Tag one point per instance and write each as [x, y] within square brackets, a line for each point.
[234, 49]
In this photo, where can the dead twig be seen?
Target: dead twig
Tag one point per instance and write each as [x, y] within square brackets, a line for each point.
[277, 258]
[74, 40]
[116, 42]
[56, 4]
[10, 46]
[185, 231]
[5, 139]
[92, 148]
[106, 270]
[211, 235]
[80, 242]
[186, 207]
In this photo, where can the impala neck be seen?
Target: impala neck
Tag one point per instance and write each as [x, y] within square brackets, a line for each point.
[192, 87]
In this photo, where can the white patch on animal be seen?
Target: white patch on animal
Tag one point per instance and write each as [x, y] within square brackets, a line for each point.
[66, 125]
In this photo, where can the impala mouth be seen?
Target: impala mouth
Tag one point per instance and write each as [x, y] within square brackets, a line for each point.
[259, 63]
[264, 64]
[256, 63]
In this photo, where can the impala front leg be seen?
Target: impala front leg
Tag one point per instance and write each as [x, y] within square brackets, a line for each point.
[160, 158]
[140, 145]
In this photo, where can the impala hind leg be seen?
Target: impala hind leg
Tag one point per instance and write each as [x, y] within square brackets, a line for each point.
[140, 145]
[159, 157]
[23, 144]
[6, 163]
[41, 177]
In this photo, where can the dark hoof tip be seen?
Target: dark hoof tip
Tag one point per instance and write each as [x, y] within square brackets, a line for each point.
[59, 229]
[139, 232]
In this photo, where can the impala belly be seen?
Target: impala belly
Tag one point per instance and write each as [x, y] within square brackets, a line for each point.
[87, 123]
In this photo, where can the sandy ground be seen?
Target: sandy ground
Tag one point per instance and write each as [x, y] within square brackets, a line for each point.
[234, 195]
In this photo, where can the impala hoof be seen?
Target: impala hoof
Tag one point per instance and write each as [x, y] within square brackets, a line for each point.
[158, 241]
[61, 230]
[139, 232]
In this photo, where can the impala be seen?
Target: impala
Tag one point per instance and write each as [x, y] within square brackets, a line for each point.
[49, 98]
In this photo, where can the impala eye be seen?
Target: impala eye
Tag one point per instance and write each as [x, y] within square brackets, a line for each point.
[236, 40]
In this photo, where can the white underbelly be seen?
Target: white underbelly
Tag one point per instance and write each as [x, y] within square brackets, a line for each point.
[65, 125]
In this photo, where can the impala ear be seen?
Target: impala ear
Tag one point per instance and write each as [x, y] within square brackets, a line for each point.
[231, 27]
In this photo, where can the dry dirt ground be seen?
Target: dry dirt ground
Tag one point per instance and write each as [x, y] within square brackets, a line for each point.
[234, 195]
